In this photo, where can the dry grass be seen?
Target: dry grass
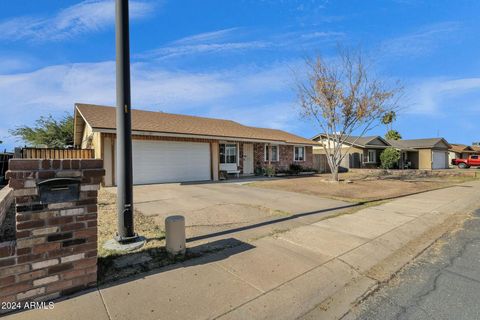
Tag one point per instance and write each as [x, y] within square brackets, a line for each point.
[114, 265]
[107, 225]
[358, 187]
[150, 256]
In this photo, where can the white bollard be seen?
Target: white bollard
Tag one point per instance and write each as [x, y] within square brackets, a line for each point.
[175, 235]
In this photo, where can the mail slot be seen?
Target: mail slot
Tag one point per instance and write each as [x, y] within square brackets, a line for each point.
[59, 190]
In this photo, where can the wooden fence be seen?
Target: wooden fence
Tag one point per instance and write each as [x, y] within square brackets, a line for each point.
[320, 163]
[45, 153]
[4, 157]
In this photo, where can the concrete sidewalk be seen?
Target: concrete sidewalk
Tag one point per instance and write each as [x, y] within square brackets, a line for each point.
[312, 271]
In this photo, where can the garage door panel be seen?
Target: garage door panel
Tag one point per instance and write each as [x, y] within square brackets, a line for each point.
[439, 159]
[166, 161]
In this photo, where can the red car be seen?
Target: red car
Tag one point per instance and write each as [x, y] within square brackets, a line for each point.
[471, 161]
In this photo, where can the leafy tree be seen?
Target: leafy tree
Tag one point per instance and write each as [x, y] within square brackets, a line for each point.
[342, 97]
[388, 118]
[47, 131]
[393, 135]
[389, 158]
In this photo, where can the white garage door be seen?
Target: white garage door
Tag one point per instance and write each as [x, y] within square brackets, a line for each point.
[439, 159]
[168, 161]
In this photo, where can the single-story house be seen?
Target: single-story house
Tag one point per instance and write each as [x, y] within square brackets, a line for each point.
[459, 151]
[364, 152]
[426, 154]
[179, 148]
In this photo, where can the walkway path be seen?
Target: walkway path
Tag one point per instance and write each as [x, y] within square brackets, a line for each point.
[314, 270]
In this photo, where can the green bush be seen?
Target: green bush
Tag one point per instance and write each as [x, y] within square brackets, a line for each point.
[389, 158]
[295, 168]
[269, 171]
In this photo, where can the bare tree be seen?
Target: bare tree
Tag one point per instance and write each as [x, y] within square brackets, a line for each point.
[343, 98]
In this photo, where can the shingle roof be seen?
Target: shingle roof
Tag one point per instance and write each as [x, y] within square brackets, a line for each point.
[103, 117]
[410, 144]
[416, 143]
[359, 141]
[461, 148]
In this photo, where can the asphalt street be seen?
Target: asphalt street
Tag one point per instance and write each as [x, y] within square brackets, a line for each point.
[442, 283]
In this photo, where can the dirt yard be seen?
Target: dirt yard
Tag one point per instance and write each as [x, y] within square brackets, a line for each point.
[358, 187]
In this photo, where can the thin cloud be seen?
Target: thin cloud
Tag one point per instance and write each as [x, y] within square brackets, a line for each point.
[421, 42]
[84, 17]
[440, 96]
[183, 50]
[207, 37]
[239, 40]
[322, 35]
[56, 88]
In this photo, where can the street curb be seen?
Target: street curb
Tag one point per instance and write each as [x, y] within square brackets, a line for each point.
[340, 304]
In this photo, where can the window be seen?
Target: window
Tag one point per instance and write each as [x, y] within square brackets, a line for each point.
[299, 154]
[228, 153]
[475, 157]
[274, 152]
[371, 156]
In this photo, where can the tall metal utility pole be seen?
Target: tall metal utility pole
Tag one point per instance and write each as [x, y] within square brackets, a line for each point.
[124, 126]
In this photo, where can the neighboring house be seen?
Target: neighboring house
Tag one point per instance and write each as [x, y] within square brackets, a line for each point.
[365, 152]
[476, 148]
[178, 148]
[459, 151]
[424, 153]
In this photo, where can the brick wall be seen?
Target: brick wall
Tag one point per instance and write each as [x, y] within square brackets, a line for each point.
[285, 153]
[55, 252]
[6, 198]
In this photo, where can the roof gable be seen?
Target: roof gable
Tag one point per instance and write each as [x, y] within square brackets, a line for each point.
[378, 141]
[362, 142]
[460, 148]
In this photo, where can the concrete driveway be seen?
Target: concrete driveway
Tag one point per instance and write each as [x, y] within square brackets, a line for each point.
[219, 206]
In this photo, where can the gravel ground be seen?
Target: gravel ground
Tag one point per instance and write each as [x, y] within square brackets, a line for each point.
[358, 187]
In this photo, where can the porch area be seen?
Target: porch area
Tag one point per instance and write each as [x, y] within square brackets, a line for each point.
[245, 159]
[370, 159]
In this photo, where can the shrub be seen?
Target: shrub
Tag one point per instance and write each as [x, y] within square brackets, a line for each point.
[295, 168]
[389, 158]
[269, 171]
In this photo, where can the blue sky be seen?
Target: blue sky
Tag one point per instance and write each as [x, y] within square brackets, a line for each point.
[235, 59]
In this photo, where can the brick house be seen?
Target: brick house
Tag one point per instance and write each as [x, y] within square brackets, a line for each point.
[178, 148]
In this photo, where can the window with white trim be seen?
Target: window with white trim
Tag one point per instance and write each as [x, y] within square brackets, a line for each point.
[371, 156]
[274, 152]
[299, 153]
[228, 153]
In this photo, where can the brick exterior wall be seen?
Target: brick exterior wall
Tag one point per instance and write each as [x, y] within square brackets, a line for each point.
[55, 252]
[285, 153]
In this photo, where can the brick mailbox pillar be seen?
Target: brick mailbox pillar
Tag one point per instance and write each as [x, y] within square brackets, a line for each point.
[55, 251]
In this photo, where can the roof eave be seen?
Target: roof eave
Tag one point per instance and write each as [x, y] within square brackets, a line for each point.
[198, 136]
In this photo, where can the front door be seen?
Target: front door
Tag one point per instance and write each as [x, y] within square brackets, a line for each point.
[247, 158]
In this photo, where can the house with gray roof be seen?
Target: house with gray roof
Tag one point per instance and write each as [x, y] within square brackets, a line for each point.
[364, 152]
